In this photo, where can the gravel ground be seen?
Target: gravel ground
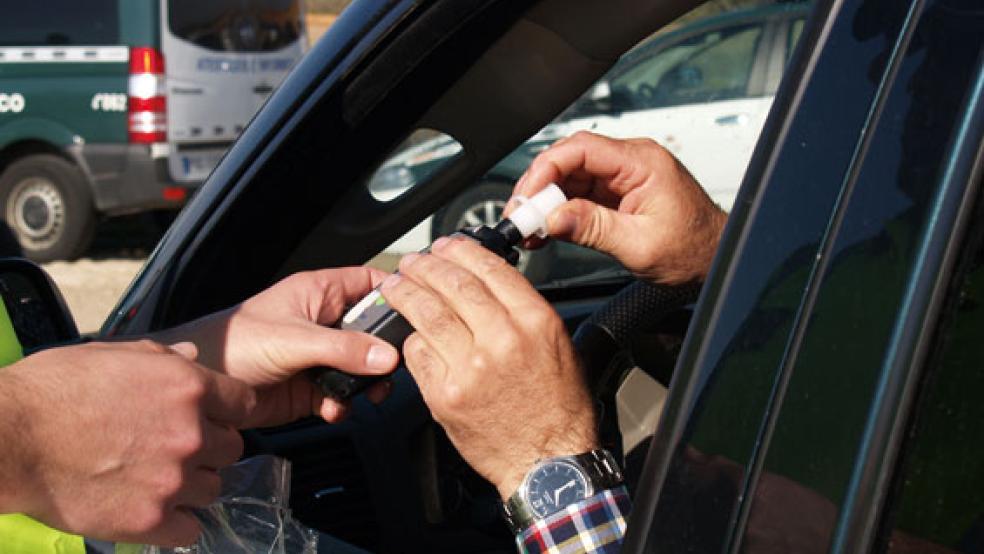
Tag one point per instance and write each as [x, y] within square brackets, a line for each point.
[92, 287]
[317, 24]
[93, 284]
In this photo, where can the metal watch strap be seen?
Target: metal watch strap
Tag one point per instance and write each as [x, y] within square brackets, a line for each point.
[518, 513]
[599, 467]
[602, 469]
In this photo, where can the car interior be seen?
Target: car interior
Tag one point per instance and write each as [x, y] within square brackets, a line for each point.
[292, 196]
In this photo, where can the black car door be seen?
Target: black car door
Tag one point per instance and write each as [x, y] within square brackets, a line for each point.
[790, 399]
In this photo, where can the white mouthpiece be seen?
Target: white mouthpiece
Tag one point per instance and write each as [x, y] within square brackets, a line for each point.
[531, 215]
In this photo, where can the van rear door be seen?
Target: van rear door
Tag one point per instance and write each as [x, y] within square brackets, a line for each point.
[223, 58]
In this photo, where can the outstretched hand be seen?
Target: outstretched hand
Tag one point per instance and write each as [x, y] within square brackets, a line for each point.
[631, 199]
[268, 340]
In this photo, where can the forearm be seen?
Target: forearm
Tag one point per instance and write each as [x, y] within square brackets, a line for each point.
[18, 456]
[208, 334]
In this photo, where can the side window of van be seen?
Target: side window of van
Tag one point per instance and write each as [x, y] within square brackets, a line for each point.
[711, 66]
[62, 23]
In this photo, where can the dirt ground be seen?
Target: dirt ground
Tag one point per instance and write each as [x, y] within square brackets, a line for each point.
[317, 24]
[93, 284]
[92, 287]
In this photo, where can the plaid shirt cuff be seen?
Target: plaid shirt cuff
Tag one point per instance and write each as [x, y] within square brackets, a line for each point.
[596, 524]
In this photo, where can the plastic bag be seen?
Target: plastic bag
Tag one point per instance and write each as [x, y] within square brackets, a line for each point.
[252, 515]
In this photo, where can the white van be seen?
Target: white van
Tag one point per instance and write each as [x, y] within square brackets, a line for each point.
[224, 58]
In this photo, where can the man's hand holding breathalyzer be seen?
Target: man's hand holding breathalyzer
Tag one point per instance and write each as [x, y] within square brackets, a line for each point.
[492, 359]
[632, 200]
[491, 356]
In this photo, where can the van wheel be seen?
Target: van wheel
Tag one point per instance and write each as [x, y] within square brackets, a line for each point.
[47, 204]
[482, 204]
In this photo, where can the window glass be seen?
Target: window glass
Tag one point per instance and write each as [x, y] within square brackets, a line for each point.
[60, 23]
[691, 74]
[236, 25]
[414, 161]
[421, 157]
[795, 31]
[710, 66]
[648, 72]
[939, 503]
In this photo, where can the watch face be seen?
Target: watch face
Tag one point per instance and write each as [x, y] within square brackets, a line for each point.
[555, 485]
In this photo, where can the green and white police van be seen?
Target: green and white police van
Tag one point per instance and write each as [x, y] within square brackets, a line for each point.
[116, 106]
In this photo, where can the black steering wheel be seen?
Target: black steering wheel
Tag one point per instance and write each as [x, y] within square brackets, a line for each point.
[627, 331]
[624, 334]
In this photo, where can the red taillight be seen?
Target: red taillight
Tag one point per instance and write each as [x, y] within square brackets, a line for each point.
[147, 105]
[146, 60]
[174, 194]
[152, 104]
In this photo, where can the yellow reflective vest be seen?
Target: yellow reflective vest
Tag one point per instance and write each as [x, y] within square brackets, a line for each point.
[20, 534]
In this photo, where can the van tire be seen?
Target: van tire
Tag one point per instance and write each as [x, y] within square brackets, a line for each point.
[46, 202]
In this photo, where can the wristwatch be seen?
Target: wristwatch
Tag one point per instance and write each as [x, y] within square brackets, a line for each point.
[555, 483]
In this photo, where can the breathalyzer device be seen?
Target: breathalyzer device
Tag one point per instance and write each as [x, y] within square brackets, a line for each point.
[373, 315]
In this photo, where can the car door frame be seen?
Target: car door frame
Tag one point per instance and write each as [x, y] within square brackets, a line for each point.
[885, 416]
